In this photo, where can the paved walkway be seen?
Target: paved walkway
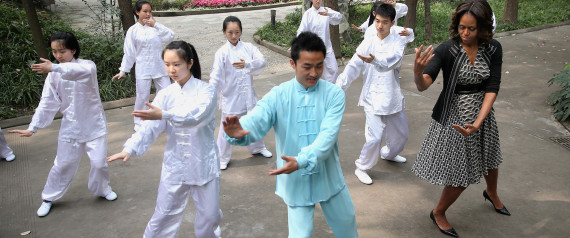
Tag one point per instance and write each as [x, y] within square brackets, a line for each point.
[533, 182]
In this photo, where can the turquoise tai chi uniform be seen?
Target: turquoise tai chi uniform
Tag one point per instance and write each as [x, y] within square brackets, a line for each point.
[306, 124]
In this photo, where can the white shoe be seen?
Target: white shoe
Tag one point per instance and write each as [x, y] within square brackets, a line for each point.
[218, 232]
[398, 159]
[266, 153]
[363, 176]
[10, 157]
[44, 209]
[111, 196]
[224, 165]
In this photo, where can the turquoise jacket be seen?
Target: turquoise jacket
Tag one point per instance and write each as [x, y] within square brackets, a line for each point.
[306, 125]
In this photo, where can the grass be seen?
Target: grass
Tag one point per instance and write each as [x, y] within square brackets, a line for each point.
[531, 13]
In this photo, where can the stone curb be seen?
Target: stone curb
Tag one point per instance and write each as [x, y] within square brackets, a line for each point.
[222, 10]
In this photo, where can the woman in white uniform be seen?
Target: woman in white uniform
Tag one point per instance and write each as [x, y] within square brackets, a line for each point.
[143, 46]
[186, 110]
[317, 20]
[235, 64]
[71, 87]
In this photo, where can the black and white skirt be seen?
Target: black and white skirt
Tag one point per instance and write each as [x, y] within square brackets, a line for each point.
[448, 158]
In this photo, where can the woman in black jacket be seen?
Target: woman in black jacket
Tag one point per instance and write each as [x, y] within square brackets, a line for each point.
[462, 142]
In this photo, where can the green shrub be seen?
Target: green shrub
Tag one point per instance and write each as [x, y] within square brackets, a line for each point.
[21, 88]
[283, 32]
[560, 100]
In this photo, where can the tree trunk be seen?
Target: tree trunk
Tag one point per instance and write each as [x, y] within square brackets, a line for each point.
[511, 12]
[334, 30]
[35, 27]
[428, 19]
[127, 14]
[410, 19]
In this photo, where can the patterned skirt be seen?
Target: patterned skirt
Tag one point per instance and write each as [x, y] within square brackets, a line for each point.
[448, 158]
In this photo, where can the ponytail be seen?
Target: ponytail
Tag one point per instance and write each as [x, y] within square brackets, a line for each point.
[187, 52]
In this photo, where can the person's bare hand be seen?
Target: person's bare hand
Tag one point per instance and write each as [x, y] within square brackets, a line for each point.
[467, 130]
[239, 65]
[153, 113]
[121, 155]
[356, 27]
[404, 32]
[290, 166]
[326, 12]
[233, 128]
[23, 133]
[367, 59]
[42, 68]
[422, 59]
[150, 22]
[117, 76]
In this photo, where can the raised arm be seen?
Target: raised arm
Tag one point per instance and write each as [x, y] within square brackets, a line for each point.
[255, 66]
[257, 122]
[350, 73]
[166, 35]
[196, 116]
[423, 81]
[334, 16]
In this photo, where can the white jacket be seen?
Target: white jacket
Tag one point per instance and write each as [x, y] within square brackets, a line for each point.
[143, 46]
[72, 89]
[189, 116]
[235, 86]
[381, 93]
[319, 25]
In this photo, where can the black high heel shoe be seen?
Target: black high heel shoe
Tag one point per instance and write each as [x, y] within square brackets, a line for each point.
[450, 232]
[503, 210]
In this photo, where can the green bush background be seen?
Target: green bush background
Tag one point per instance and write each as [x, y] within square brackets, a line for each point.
[21, 88]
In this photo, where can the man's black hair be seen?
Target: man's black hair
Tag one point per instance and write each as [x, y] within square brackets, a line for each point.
[307, 41]
[386, 10]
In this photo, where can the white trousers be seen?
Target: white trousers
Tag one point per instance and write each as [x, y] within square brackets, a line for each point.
[143, 94]
[225, 148]
[66, 163]
[396, 133]
[5, 150]
[171, 202]
[331, 68]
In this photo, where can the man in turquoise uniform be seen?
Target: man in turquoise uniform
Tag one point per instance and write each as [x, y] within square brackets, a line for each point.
[306, 114]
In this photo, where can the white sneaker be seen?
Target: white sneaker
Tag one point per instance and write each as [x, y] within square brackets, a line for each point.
[10, 157]
[44, 209]
[398, 159]
[218, 232]
[266, 153]
[111, 196]
[223, 165]
[363, 176]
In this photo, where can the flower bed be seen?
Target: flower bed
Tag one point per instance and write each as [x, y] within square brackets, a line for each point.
[229, 3]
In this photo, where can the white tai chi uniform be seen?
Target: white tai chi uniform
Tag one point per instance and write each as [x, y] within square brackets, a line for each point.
[5, 150]
[235, 86]
[143, 46]
[72, 89]
[319, 25]
[381, 96]
[191, 166]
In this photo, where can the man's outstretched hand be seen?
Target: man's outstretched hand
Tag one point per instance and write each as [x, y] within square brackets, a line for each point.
[290, 166]
[233, 128]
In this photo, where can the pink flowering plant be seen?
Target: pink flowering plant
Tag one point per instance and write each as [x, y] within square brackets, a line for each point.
[229, 3]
